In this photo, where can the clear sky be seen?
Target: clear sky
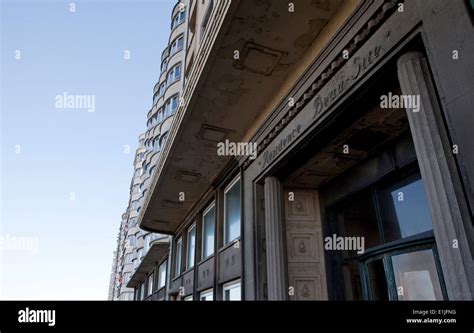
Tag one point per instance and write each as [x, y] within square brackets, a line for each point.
[65, 172]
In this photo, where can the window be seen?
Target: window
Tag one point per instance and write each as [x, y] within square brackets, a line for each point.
[205, 19]
[132, 241]
[191, 246]
[161, 91]
[164, 65]
[232, 291]
[135, 188]
[133, 220]
[171, 105]
[178, 18]
[179, 253]
[167, 111]
[147, 243]
[177, 45]
[156, 147]
[160, 114]
[174, 74]
[399, 258]
[232, 212]
[135, 264]
[142, 291]
[470, 4]
[137, 172]
[416, 276]
[162, 275]
[405, 210]
[208, 231]
[174, 103]
[206, 295]
[163, 139]
[150, 284]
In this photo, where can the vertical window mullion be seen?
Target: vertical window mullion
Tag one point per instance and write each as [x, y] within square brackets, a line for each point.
[390, 276]
[439, 270]
[364, 273]
[378, 214]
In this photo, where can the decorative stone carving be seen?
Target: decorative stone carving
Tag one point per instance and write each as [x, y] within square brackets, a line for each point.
[302, 247]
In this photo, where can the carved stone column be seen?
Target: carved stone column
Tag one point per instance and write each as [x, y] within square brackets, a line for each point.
[448, 207]
[275, 244]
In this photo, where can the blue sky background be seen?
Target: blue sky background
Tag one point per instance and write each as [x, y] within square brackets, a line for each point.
[71, 150]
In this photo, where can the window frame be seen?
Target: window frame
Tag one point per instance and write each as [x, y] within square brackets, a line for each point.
[158, 284]
[149, 280]
[174, 78]
[224, 222]
[164, 65]
[385, 250]
[142, 291]
[161, 89]
[168, 106]
[174, 46]
[206, 17]
[209, 291]
[231, 285]
[180, 17]
[178, 262]
[419, 242]
[204, 213]
[189, 229]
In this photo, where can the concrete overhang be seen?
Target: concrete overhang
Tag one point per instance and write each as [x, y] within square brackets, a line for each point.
[158, 249]
[224, 95]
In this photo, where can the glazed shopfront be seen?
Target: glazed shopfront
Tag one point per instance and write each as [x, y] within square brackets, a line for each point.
[338, 163]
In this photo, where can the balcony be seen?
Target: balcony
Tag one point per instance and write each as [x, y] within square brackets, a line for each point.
[158, 250]
[220, 87]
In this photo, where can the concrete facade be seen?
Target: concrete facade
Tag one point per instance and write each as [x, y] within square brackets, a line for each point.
[333, 161]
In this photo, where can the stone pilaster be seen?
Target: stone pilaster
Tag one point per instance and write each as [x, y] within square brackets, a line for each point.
[448, 207]
[275, 244]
